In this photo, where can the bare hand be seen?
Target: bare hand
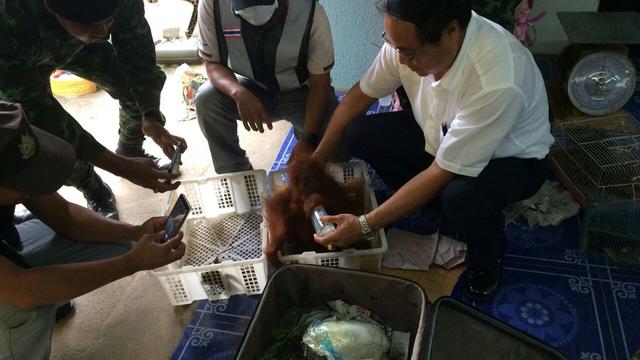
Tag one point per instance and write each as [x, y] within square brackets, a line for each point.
[143, 172]
[149, 253]
[152, 225]
[162, 137]
[320, 157]
[348, 231]
[252, 112]
[300, 151]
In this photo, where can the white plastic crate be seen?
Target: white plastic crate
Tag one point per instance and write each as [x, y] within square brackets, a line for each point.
[367, 259]
[224, 237]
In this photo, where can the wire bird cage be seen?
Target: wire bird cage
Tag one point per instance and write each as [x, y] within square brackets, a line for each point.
[601, 157]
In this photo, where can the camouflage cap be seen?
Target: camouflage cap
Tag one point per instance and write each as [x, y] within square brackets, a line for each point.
[33, 161]
[83, 11]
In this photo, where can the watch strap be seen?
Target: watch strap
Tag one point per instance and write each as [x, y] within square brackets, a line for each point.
[365, 228]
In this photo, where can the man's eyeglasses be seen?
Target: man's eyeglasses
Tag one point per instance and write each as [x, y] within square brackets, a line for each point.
[409, 55]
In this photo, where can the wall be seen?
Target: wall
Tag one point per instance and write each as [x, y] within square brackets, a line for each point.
[551, 38]
[356, 26]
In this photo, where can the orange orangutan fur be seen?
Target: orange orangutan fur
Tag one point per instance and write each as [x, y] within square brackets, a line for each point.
[288, 210]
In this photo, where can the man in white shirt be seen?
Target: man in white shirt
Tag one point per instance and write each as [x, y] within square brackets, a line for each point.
[477, 137]
[265, 59]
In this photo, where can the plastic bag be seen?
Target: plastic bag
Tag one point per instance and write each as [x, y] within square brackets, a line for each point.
[191, 82]
[286, 335]
[347, 339]
[351, 333]
[322, 325]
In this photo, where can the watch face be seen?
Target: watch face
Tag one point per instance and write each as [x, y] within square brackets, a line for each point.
[601, 83]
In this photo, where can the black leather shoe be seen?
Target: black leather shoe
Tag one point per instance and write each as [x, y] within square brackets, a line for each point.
[480, 285]
[65, 310]
[131, 150]
[22, 215]
[99, 196]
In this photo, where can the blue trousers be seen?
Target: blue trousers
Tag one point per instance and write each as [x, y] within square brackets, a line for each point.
[26, 333]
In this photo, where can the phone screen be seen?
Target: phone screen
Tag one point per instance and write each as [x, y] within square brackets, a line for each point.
[176, 218]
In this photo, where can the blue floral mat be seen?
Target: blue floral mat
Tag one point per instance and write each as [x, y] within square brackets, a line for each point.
[583, 306]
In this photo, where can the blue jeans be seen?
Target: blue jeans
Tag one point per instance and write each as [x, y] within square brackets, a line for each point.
[26, 333]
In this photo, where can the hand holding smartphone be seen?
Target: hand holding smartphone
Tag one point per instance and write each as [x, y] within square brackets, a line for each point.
[175, 160]
[174, 166]
[176, 219]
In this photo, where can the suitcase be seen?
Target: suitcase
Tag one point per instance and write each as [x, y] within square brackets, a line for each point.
[446, 329]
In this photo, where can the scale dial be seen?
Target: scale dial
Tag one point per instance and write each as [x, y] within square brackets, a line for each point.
[601, 83]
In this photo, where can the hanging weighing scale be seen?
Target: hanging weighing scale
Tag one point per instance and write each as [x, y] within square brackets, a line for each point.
[598, 77]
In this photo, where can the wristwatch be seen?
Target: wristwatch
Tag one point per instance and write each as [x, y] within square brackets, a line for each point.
[367, 232]
[312, 139]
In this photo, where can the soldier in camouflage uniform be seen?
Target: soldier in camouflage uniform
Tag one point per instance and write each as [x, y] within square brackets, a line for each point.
[39, 36]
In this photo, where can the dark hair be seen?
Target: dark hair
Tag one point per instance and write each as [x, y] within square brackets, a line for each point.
[83, 11]
[431, 17]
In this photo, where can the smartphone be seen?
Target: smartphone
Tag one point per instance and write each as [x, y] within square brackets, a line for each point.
[175, 160]
[176, 218]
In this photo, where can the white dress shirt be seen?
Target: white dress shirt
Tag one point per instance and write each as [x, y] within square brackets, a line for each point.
[492, 100]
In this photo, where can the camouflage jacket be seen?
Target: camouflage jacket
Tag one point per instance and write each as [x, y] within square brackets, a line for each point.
[33, 43]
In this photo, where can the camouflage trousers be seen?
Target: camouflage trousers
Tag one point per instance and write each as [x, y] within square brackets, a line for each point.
[98, 63]
[95, 62]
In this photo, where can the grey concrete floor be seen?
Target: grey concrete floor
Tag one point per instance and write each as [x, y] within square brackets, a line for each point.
[132, 318]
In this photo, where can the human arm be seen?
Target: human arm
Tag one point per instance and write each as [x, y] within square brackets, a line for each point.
[80, 224]
[44, 285]
[21, 82]
[135, 50]
[320, 61]
[250, 108]
[140, 171]
[355, 103]
[53, 284]
[315, 112]
[472, 139]
[381, 78]
[417, 192]
[24, 86]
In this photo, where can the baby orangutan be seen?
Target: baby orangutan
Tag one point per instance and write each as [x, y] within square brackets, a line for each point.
[288, 210]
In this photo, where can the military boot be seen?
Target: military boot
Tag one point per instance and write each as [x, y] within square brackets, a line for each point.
[99, 196]
[134, 149]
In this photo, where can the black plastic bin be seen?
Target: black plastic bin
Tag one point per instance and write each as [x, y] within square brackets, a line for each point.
[446, 329]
